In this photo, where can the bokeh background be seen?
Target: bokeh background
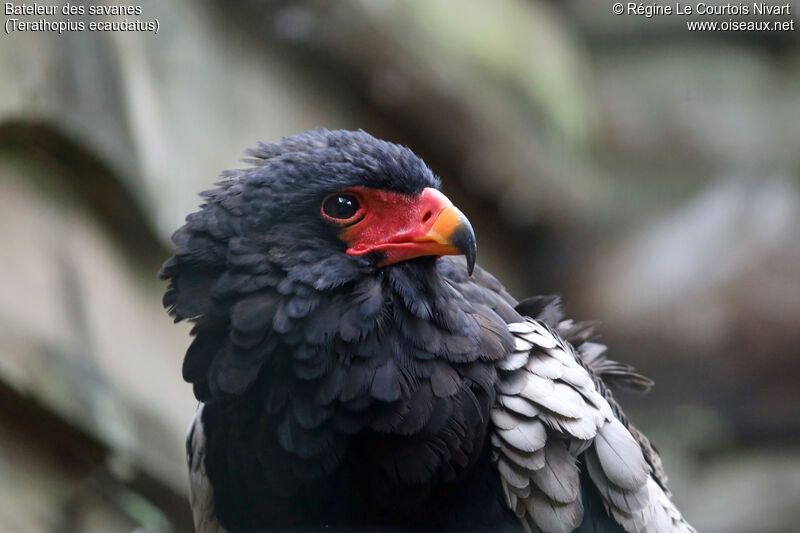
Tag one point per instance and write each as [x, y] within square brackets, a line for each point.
[648, 174]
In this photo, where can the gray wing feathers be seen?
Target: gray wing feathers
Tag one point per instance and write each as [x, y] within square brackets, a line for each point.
[559, 477]
[620, 456]
[201, 496]
[549, 416]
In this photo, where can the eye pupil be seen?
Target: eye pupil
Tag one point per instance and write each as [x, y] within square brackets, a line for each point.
[340, 206]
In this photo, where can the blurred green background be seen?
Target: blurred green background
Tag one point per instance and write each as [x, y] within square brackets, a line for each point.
[649, 174]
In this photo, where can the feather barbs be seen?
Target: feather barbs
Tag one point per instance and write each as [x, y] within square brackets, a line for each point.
[549, 418]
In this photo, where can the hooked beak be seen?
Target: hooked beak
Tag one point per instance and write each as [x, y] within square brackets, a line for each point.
[430, 226]
[450, 234]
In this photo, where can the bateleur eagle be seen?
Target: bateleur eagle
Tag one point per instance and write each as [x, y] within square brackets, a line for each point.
[356, 370]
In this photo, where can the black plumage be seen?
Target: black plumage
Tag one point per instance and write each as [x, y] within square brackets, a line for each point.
[339, 390]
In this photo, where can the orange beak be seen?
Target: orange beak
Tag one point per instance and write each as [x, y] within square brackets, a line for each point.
[403, 228]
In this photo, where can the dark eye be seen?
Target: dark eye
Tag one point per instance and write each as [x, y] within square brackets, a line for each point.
[340, 207]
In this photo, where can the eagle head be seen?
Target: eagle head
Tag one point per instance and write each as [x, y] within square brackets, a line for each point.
[314, 213]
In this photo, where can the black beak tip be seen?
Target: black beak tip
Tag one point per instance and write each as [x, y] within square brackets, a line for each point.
[464, 240]
[471, 262]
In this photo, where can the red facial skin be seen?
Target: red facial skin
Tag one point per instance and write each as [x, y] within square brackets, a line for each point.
[401, 226]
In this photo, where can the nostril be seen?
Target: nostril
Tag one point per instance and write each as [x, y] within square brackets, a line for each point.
[427, 216]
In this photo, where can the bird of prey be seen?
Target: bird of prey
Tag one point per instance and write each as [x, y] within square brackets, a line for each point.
[357, 371]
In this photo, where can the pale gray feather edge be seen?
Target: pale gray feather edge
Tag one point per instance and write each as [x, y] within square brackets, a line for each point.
[638, 504]
[201, 493]
[593, 357]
